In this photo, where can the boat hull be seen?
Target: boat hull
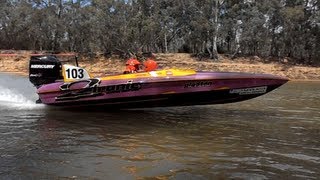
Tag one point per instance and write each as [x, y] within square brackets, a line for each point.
[200, 88]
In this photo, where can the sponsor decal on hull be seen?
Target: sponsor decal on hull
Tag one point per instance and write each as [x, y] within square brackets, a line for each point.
[198, 84]
[119, 88]
[249, 91]
[91, 89]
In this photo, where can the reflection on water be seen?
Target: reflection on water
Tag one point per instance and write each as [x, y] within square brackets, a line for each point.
[273, 136]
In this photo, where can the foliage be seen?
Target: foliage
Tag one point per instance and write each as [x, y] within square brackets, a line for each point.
[267, 28]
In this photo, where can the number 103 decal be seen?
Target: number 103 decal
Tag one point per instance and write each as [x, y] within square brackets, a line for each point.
[74, 73]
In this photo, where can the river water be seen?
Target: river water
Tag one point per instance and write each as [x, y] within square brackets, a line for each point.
[273, 136]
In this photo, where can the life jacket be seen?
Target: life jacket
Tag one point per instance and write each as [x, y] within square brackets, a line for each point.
[129, 69]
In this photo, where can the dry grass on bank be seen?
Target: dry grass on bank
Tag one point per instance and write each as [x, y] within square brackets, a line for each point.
[100, 66]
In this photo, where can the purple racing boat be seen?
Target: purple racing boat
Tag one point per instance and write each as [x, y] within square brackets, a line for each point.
[72, 86]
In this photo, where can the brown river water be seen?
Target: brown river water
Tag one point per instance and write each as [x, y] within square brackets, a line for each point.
[275, 136]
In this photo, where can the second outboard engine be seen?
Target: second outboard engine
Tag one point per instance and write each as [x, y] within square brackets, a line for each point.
[44, 69]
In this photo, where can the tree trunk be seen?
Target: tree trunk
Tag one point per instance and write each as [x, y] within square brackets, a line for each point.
[214, 53]
[165, 43]
[210, 52]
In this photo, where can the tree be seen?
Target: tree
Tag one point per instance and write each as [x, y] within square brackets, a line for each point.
[268, 28]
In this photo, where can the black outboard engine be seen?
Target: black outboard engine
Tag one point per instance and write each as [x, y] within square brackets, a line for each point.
[44, 69]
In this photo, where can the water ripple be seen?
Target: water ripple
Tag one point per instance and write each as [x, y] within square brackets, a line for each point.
[271, 137]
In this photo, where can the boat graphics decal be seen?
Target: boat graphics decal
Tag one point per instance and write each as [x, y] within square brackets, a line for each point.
[92, 90]
[86, 91]
[90, 84]
[77, 95]
[249, 91]
[198, 84]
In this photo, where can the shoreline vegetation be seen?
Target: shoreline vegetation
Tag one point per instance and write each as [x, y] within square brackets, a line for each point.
[17, 62]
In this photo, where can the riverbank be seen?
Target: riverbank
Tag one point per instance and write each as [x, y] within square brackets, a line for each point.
[100, 66]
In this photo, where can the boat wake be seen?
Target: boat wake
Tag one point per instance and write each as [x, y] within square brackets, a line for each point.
[16, 93]
[12, 99]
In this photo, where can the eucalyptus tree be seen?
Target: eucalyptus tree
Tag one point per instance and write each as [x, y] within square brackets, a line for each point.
[14, 22]
[268, 28]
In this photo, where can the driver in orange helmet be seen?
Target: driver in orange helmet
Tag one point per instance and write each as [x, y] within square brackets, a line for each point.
[150, 65]
[132, 66]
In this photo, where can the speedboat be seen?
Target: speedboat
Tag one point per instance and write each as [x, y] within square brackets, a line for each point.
[72, 86]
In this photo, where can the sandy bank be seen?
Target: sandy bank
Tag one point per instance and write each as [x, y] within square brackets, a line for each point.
[100, 66]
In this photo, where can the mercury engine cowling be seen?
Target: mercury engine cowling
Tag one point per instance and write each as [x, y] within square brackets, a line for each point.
[44, 69]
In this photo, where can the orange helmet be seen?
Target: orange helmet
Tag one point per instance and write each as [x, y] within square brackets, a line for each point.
[132, 62]
[150, 65]
[132, 65]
